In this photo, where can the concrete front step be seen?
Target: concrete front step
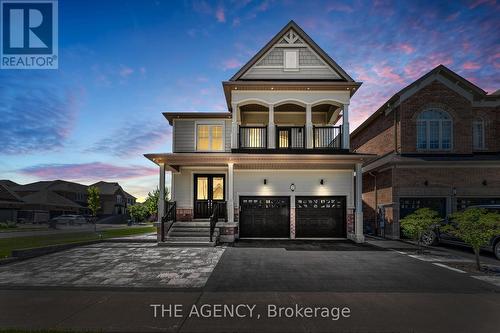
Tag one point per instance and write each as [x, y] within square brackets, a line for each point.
[178, 243]
[190, 234]
[188, 238]
[201, 229]
[191, 224]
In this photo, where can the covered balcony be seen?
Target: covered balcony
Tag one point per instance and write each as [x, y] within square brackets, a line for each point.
[290, 126]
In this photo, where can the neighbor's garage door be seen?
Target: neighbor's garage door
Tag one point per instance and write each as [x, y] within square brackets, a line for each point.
[320, 217]
[264, 217]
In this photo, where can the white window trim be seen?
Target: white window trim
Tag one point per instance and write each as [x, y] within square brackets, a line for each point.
[213, 122]
[483, 143]
[428, 136]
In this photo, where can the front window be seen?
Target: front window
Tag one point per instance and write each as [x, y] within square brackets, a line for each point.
[434, 131]
[478, 134]
[209, 137]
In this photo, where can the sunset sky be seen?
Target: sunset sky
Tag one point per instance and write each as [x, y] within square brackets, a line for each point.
[122, 63]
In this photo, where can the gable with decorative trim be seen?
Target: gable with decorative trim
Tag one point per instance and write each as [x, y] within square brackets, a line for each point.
[291, 58]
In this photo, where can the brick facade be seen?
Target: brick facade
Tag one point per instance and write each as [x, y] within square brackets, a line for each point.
[184, 214]
[395, 131]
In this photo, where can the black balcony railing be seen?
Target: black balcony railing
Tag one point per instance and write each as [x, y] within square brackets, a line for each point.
[327, 137]
[253, 137]
[292, 137]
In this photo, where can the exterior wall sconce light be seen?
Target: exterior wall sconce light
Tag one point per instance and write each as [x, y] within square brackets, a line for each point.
[265, 181]
[292, 187]
[322, 182]
[485, 182]
[426, 183]
[454, 191]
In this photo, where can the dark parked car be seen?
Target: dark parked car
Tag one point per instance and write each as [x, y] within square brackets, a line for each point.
[438, 236]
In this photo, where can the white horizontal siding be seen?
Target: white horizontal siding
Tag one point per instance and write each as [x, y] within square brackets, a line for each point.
[307, 183]
[183, 136]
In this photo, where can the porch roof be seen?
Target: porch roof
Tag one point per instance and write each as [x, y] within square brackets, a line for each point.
[288, 161]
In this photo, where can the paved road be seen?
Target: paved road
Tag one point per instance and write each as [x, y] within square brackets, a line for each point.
[384, 290]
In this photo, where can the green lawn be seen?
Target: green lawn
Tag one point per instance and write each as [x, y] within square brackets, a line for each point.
[9, 244]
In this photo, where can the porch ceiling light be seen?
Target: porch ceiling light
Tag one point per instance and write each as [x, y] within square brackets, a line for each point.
[292, 187]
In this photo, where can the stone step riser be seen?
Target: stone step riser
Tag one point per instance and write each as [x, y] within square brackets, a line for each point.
[186, 244]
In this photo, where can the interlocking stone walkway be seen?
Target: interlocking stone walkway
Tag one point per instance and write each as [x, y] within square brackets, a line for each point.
[133, 265]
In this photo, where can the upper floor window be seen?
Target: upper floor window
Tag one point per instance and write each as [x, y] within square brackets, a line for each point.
[434, 130]
[478, 134]
[209, 138]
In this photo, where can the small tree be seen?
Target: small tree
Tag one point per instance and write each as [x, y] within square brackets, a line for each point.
[476, 227]
[151, 202]
[138, 212]
[418, 222]
[94, 203]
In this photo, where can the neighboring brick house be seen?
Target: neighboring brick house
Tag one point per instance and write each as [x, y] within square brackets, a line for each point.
[114, 200]
[437, 146]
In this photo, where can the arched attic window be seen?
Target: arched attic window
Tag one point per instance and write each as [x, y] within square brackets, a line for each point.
[434, 130]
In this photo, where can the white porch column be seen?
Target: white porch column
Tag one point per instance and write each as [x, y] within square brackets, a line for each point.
[161, 199]
[309, 126]
[230, 192]
[271, 141]
[358, 219]
[345, 127]
[234, 126]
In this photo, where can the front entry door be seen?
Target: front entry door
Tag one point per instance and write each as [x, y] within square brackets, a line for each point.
[207, 189]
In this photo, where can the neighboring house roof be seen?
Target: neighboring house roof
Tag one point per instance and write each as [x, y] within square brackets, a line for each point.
[54, 185]
[7, 195]
[440, 70]
[63, 185]
[292, 25]
[8, 183]
[108, 188]
[193, 115]
[49, 198]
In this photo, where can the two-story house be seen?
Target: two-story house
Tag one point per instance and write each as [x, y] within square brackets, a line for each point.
[279, 161]
[437, 145]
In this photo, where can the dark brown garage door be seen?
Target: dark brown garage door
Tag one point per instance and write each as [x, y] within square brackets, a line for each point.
[320, 217]
[264, 217]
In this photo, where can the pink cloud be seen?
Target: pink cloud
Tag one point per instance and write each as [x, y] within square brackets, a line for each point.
[88, 171]
[421, 65]
[231, 63]
[495, 60]
[470, 65]
[405, 47]
[387, 72]
[220, 14]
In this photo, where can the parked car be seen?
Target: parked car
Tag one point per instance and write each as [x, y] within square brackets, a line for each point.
[69, 219]
[438, 236]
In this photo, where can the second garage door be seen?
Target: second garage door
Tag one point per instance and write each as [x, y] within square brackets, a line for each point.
[265, 217]
[320, 217]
